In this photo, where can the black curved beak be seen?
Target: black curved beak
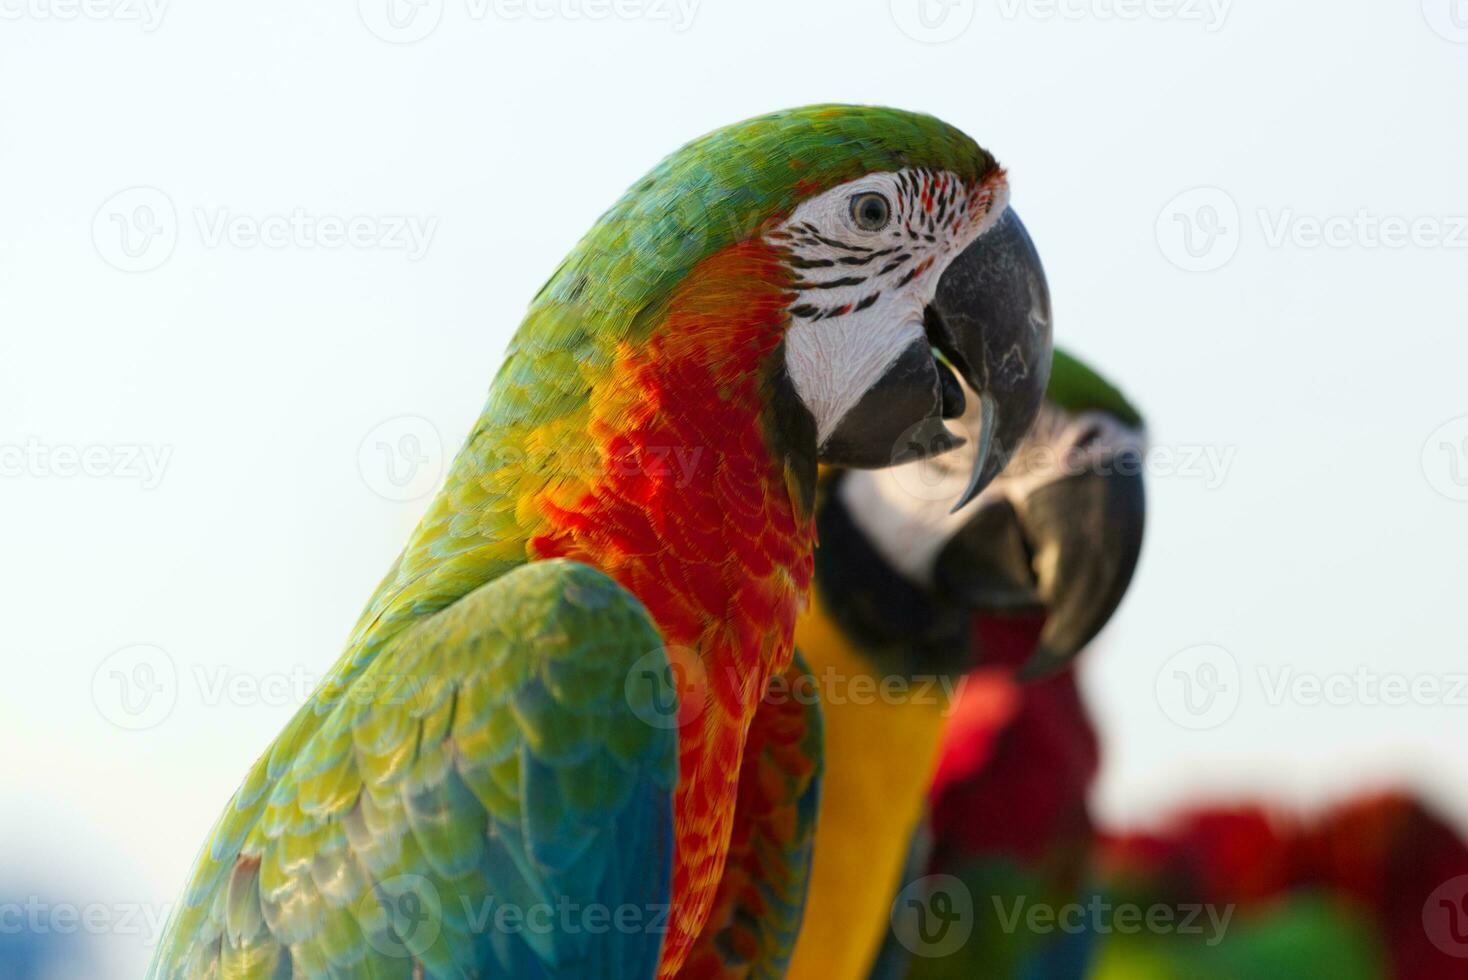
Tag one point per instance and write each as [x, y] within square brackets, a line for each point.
[1069, 549]
[990, 322]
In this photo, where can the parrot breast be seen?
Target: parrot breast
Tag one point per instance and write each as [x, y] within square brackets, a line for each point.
[696, 513]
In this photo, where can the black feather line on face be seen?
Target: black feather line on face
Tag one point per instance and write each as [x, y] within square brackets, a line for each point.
[895, 264]
[844, 246]
[867, 259]
[832, 284]
[806, 311]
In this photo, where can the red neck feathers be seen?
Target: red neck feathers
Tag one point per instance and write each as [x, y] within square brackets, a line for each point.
[695, 512]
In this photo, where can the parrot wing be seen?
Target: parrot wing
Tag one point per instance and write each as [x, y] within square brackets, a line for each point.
[758, 908]
[491, 796]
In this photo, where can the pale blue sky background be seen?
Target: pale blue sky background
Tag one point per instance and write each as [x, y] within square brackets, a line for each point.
[237, 513]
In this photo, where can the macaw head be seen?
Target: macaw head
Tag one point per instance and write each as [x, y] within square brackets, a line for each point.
[852, 218]
[1058, 533]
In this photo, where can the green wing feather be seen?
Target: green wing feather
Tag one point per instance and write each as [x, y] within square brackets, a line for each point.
[487, 775]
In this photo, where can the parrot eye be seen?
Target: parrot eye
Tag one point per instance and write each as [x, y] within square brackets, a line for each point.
[870, 211]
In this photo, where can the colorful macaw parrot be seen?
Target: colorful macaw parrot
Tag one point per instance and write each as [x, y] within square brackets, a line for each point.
[500, 776]
[1025, 575]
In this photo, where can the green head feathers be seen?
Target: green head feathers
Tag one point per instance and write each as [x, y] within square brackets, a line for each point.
[724, 187]
[1076, 388]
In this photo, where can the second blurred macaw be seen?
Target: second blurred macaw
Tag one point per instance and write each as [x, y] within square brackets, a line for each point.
[912, 599]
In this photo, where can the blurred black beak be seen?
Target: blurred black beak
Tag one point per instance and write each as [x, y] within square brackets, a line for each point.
[990, 321]
[1068, 548]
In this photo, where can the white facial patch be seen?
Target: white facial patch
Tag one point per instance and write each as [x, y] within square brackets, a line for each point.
[903, 511]
[862, 289]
